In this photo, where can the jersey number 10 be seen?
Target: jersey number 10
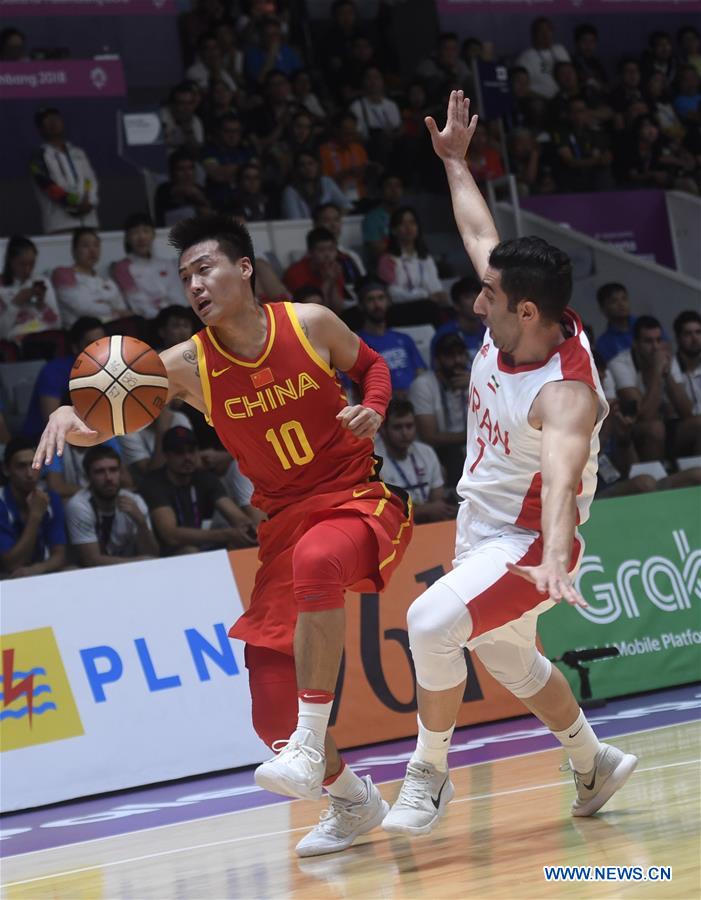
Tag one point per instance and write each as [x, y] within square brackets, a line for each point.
[290, 444]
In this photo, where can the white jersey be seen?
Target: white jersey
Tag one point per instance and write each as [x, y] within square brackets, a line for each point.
[501, 481]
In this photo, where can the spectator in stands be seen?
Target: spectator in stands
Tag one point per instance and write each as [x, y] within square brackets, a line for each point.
[183, 498]
[598, 112]
[376, 222]
[268, 122]
[444, 70]
[219, 102]
[180, 197]
[306, 294]
[379, 119]
[173, 325]
[148, 283]
[652, 160]
[250, 198]
[584, 160]
[398, 349]
[344, 159]
[411, 464]
[80, 290]
[410, 271]
[65, 473]
[107, 524]
[687, 101]
[231, 54]
[305, 98]
[591, 71]
[320, 269]
[540, 58]
[338, 40]
[648, 377]
[463, 294]
[209, 63]
[687, 330]
[660, 56]
[182, 127]
[65, 181]
[659, 103]
[525, 157]
[300, 137]
[13, 45]
[527, 109]
[439, 398]
[363, 54]
[485, 161]
[309, 189]
[222, 160]
[32, 525]
[689, 41]
[330, 216]
[27, 301]
[628, 90]
[239, 488]
[51, 386]
[614, 303]
[273, 53]
[5, 433]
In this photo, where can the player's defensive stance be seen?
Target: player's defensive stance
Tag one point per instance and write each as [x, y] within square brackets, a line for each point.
[265, 376]
[535, 410]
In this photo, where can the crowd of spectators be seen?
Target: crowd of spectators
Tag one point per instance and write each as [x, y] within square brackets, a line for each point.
[256, 130]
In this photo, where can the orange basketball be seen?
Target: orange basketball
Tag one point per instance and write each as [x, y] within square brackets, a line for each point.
[118, 385]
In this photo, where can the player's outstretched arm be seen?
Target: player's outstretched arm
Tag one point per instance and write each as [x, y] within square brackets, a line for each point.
[64, 426]
[472, 215]
[567, 411]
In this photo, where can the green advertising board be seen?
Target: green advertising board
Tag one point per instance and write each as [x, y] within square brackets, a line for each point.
[641, 576]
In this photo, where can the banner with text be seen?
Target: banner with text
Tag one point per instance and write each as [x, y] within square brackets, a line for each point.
[120, 677]
[641, 576]
[635, 221]
[17, 9]
[578, 7]
[36, 80]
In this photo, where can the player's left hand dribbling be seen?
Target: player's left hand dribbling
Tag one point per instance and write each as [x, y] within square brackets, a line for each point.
[551, 580]
[361, 421]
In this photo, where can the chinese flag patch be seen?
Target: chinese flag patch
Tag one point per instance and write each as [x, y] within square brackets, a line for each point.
[260, 379]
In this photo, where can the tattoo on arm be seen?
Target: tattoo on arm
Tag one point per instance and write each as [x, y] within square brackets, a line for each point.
[190, 356]
[304, 327]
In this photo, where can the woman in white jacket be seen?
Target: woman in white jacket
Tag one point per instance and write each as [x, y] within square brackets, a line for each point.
[81, 291]
[147, 282]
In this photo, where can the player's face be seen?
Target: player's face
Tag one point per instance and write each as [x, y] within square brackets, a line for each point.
[213, 285]
[690, 339]
[400, 432]
[105, 478]
[22, 477]
[492, 307]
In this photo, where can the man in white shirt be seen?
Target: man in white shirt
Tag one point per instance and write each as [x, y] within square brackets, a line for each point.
[379, 119]
[182, 128]
[107, 524]
[208, 64]
[687, 330]
[411, 464]
[540, 58]
[439, 399]
[649, 376]
[65, 182]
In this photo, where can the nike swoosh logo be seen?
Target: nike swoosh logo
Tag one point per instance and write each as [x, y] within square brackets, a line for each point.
[217, 372]
[590, 787]
[576, 732]
[309, 698]
[437, 800]
[357, 493]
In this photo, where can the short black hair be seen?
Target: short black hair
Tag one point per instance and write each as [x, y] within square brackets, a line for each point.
[16, 244]
[585, 28]
[387, 174]
[645, 323]
[655, 36]
[95, 454]
[134, 221]
[15, 445]
[684, 318]
[532, 269]
[318, 235]
[606, 291]
[174, 311]
[305, 293]
[318, 210]
[233, 238]
[687, 29]
[370, 283]
[462, 286]
[78, 233]
[398, 408]
[81, 327]
[44, 113]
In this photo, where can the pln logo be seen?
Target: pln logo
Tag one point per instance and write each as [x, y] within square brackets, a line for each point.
[36, 701]
[98, 76]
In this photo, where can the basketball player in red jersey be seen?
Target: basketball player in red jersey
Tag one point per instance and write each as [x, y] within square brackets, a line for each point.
[265, 377]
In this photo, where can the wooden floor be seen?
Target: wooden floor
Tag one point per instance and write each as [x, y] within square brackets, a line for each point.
[509, 819]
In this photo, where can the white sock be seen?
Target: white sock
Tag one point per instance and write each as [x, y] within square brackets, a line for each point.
[348, 786]
[581, 744]
[314, 717]
[432, 746]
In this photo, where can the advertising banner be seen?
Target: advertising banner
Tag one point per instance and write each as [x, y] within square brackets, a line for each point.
[17, 9]
[121, 676]
[578, 7]
[635, 221]
[641, 576]
[38, 80]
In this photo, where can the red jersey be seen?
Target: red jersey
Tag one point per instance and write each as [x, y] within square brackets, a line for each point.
[276, 415]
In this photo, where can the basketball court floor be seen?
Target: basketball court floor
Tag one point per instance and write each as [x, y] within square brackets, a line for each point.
[222, 837]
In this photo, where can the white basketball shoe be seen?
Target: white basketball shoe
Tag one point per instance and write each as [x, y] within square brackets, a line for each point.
[612, 768]
[423, 797]
[343, 822]
[297, 769]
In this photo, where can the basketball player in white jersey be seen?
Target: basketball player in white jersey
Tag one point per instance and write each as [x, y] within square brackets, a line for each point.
[535, 407]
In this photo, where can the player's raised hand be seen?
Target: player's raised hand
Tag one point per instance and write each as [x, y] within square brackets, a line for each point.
[551, 579]
[360, 420]
[62, 422]
[452, 142]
